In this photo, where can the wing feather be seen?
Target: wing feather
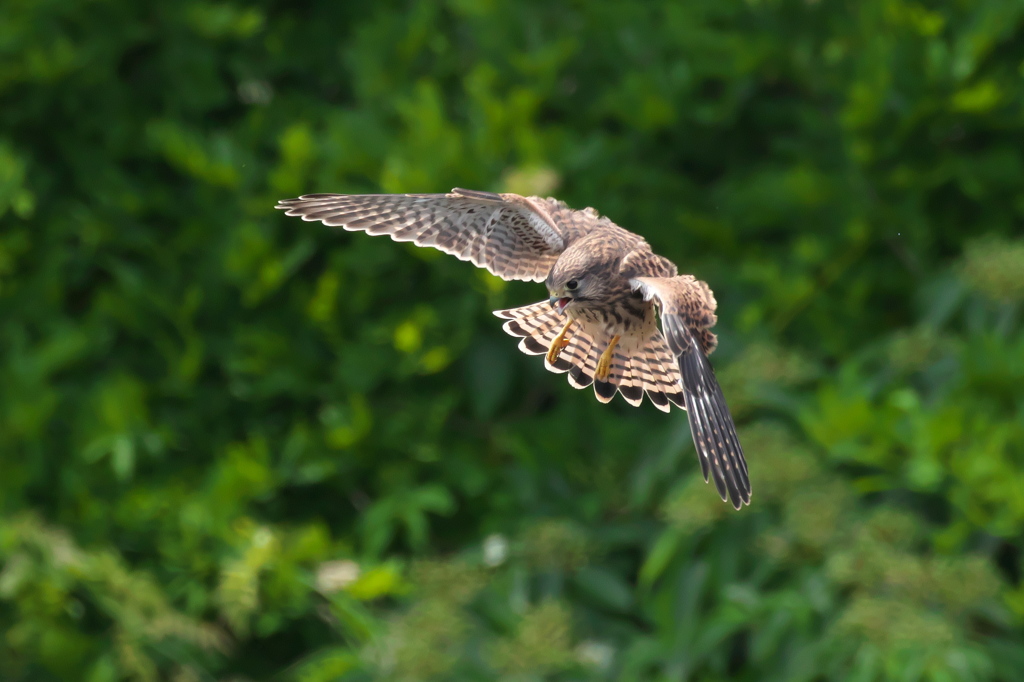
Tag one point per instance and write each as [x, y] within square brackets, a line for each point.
[513, 237]
[687, 311]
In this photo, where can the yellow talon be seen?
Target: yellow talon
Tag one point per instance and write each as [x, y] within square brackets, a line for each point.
[604, 363]
[559, 343]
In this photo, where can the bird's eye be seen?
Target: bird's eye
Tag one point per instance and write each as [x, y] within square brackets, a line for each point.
[571, 285]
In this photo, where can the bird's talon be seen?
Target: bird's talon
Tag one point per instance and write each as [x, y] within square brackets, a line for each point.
[604, 363]
[558, 343]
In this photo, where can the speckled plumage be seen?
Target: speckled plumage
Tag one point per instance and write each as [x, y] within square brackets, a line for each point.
[606, 285]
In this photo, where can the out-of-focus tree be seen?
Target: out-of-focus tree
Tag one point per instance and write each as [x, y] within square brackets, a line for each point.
[237, 446]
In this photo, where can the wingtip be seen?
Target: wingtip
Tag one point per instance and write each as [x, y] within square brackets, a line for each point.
[740, 502]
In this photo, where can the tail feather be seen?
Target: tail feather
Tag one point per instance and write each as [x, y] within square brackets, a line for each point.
[621, 377]
[652, 370]
[577, 354]
[531, 346]
[665, 368]
[526, 311]
[538, 325]
[581, 351]
[645, 373]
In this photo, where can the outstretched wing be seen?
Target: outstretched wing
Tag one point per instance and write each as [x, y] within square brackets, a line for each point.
[513, 237]
[687, 311]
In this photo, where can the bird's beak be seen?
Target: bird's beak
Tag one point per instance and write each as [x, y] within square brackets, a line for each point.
[559, 302]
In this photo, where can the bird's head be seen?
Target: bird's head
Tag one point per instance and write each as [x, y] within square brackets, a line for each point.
[573, 281]
[566, 292]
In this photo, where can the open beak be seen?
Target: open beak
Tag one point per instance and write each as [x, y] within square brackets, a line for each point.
[559, 303]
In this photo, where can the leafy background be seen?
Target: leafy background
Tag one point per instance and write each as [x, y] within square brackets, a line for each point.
[236, 446]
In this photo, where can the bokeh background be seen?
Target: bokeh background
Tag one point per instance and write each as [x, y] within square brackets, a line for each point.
[236, 446]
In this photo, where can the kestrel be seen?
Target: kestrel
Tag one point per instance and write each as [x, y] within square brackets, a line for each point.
[599, 324]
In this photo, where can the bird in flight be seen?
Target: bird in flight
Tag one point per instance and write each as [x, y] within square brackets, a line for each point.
[607, 288]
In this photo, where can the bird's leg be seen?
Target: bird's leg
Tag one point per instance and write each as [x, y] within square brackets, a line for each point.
[558, 343]
[604, 363]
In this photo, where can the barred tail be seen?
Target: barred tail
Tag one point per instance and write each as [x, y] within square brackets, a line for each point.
[662, 371]
[538, 325]
[652, 370]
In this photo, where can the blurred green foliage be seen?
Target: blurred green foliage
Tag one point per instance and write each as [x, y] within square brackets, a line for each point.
[236, 446]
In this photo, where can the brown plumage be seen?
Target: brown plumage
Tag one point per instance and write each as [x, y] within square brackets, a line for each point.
[599, 326]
